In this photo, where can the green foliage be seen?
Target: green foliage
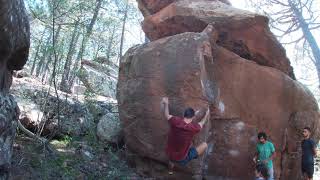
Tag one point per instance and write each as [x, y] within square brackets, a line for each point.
[106, 33]
[64, 142]
[91, 138]
[46, 16]
[90, 101]
[64, 164]
[119, 168]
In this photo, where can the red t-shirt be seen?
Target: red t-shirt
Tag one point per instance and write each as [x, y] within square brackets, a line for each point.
[180, 138]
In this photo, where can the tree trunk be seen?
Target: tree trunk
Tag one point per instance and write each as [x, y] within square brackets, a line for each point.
[59, 69]
[89, 30]
[96, 52]
[68, 62]
[111, 39]
[83, 45]
[46, 67]
[36, 57]
[308, 36]
[44, 54]
[37, 52]
[123, 29]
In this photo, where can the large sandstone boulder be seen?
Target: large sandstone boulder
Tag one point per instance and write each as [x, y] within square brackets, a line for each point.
[14, 48]
[193, 70]
[148, 7]
[167, 67]
[98, 78]
[244, 33]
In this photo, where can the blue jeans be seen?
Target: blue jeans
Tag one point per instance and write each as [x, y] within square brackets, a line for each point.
[271, 173]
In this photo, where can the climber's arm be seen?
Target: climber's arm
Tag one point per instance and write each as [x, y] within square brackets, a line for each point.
[165, 107]
[205, 118]
[314, 149]
[255, 158]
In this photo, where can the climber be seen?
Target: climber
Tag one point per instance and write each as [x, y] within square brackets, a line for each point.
[265, 153]
[179, 146]
[308, 153]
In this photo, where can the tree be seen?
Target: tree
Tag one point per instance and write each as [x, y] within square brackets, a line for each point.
[84, 29]
[67, 65]
[110, 42]
[295, 18]
[68, 83]
[123, 28]
[45, 50]
[39, 44]
[50, 55]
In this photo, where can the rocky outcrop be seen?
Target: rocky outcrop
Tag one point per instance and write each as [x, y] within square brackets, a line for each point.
[149, 7]
[244, 33]
[108, 128]
[14, 37]
[244, 96]
[21, 74]
[14, 40]
[41, 114]
[8, 115]
[98, 78]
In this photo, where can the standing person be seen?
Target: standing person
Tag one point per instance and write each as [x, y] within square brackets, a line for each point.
[308, 153]
[182, 130]
[265, 153]
[261, 172]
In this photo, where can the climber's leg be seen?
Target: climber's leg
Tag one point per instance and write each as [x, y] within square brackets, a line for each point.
[202, 148]
[170, 167]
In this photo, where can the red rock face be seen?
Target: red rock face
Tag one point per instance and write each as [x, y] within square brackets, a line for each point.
[244, 98]
[14, 40]
[149, 7]
[254, 98]
[168, 67]
[247, 34]
[235, 66]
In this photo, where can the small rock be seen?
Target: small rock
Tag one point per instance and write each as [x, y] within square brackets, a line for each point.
[88, 155]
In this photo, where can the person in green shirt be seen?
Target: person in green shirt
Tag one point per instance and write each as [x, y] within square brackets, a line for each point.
[265, 153]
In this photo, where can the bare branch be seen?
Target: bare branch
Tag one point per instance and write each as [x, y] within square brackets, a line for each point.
[279, 2]
[288, 21]
[300, 7]
[314, 19]
[41, 140]
[282, 12]
[295, 41]
[310, 18]
[311, 57]
[310, 5]
[304, 47]
[278, 29]
[315, 27]
[284, 17]
[314, 23]
[294, 27]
